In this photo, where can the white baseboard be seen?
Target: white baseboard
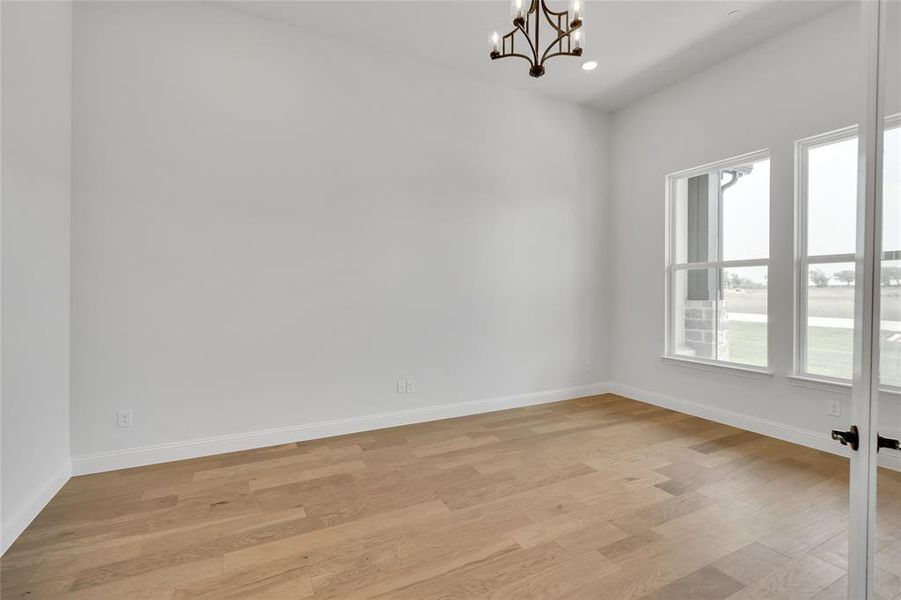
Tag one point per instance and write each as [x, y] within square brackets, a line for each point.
[160, 453]
[819, 440]
[14, 527]
[891, 460]
[788, 433]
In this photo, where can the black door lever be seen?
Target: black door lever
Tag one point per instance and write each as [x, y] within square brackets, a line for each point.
[848, 438]
[890, 443]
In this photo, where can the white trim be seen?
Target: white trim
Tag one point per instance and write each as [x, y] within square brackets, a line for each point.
[829, 137]
[799, 295]
[724, 264]
[840, 386]
[826, 384]
[718, 366]
[755, 156]
[802, 260]
[890, 461]
[825, 259]
[13, 528]
[671, 266]
[819, 440]
[161, 453]
[669, 257]
[865, 382]
[789, 433]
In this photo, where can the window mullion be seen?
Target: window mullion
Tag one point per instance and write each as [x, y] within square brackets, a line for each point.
[723, 264]
[716, 312]
[819, 259]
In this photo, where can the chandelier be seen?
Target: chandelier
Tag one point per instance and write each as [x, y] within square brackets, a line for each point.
[566, 40]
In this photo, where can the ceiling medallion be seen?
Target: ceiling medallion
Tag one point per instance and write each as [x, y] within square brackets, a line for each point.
[566, 40]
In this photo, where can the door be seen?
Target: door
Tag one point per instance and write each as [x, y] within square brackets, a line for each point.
[874, 553]
[886, 560]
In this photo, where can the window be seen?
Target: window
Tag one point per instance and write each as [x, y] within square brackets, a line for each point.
[718, 261]
[826, 231]
[890, 335]
[827, 221]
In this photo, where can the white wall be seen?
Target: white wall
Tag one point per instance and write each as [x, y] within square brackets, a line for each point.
[805, 82]
[270, 229]
[34, 303]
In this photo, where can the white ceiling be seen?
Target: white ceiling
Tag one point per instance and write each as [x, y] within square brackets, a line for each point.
[640, 45]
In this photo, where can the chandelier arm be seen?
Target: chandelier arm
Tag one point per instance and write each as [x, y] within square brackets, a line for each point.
[561, 26]
[547, 15]
[512, 37]
[552, 12]
[545, 56]
[531, 45]
[562, 54]
[516, 54]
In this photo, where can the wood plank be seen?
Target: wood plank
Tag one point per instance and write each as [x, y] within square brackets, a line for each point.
[599, 497]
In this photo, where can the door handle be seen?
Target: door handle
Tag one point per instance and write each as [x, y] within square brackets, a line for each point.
[885, 442]
[849, 438]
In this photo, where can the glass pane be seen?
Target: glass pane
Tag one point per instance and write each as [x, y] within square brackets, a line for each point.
[830, 319]
[888, 514]
[721, 314]
[890, 326]
[746, 211]
[695, 219]
[832, 198]
[742, 335]
[891, 187]
[723, 214]
[695, 313]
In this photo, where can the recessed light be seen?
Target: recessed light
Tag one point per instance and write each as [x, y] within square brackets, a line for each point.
[589, 65]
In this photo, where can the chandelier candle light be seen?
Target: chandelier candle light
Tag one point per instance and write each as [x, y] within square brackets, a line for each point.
[564, 25]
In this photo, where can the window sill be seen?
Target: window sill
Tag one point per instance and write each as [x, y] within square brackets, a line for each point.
[817, 383]
[837, 386]
[719, 367]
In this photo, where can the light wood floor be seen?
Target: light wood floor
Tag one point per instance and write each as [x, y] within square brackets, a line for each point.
[597, 498]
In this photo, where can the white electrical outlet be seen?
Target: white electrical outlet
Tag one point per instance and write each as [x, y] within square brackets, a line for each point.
[835, 408]
[406, 386]
[124, 418]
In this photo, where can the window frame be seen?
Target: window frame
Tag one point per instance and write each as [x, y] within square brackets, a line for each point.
[672, 267]
[802, 261]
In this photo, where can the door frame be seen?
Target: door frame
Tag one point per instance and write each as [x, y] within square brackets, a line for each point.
[865, 393]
